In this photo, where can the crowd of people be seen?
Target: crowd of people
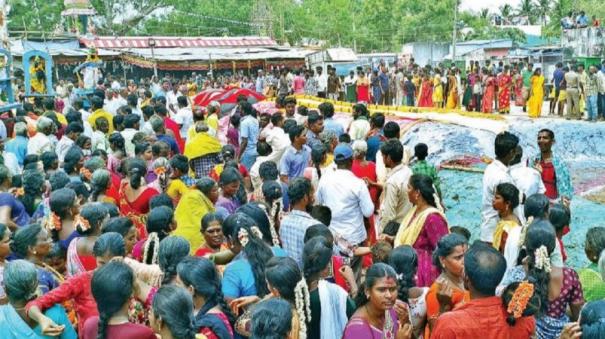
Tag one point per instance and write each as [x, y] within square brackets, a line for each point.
[486, 87]
[132, 213]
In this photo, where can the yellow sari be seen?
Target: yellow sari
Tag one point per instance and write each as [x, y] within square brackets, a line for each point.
[503, 226]
[188, 216]
[201, 144]
[412, 225]
[452, 96]
[437, 91]
[534, 104]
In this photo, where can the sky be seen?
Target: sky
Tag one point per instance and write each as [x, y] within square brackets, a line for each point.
[477, 5]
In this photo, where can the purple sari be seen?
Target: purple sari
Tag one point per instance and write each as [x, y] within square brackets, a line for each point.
[361, 328]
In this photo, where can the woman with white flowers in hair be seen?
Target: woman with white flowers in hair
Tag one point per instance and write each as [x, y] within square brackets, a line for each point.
[422, 227]
[536, 268]
[284, 280]
[21, 286]
[245, 275]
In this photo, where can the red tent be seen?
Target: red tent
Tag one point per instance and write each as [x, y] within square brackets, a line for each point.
[230, 97]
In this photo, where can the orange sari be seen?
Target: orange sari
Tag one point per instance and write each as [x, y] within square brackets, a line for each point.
[459, 297]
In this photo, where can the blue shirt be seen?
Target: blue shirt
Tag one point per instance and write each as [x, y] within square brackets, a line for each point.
[238, 279]
[293, 162]
[292, 233]
[374, 143]
[312, 139]
[14, 327]
[558, 76]
[17, 146]
[334, 126]
[249, 129]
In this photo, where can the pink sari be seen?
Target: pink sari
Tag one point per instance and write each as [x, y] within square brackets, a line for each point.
[75, 263]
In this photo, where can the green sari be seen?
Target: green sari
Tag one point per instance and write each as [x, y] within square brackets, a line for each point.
[593, 285]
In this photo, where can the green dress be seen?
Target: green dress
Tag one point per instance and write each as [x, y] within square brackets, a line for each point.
[593, 285]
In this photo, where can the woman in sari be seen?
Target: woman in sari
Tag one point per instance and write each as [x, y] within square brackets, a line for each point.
[591, 276]
[212, 315]
[540, 242]
[437, 90]
[536, 94]
[379, 314]
[452, 91]
[365, 169]
[422, 227]
[505, 84]
[425, 96]
[88, 223]
[21, 286]
[191, 209]
[12, 211]
[32, 200]
[134, 197]
[326, 297]
[64, 208]
[101, 184]
[32, 243]
[214, 239]
[449, 258]
[489, 85]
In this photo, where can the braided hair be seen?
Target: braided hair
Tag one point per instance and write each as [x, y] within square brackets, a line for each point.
[33, 185]
[201, 274]
[174, 306]
[172, 250]
[540, 234]
[405, 262]
[112, 287]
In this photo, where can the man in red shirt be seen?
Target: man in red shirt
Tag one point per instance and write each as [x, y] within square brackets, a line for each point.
[485, 315]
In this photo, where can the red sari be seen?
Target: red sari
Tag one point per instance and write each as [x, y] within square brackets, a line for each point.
[487, 103]
[367, 171]
[504, 85]
[137, 210]
[426, 94]
[519, 99]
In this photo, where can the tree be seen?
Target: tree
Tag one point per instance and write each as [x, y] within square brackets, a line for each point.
[484, 13]
[526, 9]
[543, 9]
[506, 11]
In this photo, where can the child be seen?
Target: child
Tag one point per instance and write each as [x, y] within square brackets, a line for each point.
[322, 214]
[560, 218]
[505, 201]
[421, 166]
[381, 252]
[462, 231]
[592, 282]
[180, 181]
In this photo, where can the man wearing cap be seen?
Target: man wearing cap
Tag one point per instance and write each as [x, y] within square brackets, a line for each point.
[347, 196]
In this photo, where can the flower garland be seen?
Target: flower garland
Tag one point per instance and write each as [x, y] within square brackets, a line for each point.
[520, 298]
[302, 301]
[542, 259]
[81, 224]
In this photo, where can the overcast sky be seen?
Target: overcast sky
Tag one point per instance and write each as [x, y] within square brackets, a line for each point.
[477, 5]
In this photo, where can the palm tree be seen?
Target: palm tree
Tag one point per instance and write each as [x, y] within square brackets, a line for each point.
[543, 8]
[505, 11]
[484, 13]
[526, 8]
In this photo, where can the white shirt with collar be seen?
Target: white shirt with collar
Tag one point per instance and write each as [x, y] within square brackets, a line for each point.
[322, 82]
[62, 147]
[495, 174]
[395, 203]
[39, 144]
[279, 142]
[128, 134]
[527, 179]
[348, 198]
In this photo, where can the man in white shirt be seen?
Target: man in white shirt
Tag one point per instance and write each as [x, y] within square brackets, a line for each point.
[112, 103]
[496, 173]
[131, 127]
[390, 131]
[40, 142]
[347, 197]
[276, 138]
[72, 132]
[183, 116]
[395, 203]
[322, 82]
[172, 96]
[527, 179]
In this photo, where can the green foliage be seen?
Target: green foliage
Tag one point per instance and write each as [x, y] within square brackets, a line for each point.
[368, 25]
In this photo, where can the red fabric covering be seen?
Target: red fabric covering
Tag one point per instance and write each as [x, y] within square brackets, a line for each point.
[174, 127]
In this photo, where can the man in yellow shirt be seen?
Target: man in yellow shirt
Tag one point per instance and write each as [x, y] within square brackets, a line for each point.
[49, 106]
[98, 112]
